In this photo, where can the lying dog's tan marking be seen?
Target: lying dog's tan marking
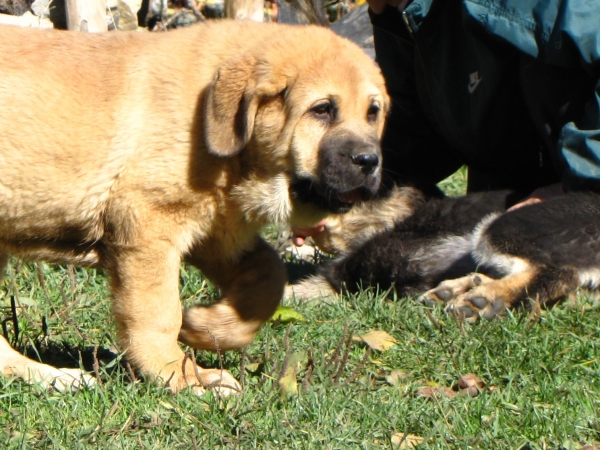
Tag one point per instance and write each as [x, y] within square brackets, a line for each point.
[135, 151]
[344, 232]
[478, 295]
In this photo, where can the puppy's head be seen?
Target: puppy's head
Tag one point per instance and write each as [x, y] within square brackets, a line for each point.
[305, 112]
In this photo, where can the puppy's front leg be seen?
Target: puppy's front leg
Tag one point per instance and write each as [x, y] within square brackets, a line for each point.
[146, 306]
[251, 290]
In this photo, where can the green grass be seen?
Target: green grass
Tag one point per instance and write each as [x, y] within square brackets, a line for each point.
[542, 377]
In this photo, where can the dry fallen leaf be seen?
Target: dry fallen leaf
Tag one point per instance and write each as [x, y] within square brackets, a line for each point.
[377, 340]
[470, 384]
[429, 392]
[406, 441]
[469, 380]
[395, 377]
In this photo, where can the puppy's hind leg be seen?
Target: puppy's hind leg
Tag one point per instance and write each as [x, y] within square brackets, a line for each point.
[251, 288]
[13, 364]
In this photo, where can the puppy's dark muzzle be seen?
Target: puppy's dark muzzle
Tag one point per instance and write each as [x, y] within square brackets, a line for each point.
[368, 162]
[349, 171]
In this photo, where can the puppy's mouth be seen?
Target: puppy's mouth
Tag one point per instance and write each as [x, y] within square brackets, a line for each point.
[329, 199]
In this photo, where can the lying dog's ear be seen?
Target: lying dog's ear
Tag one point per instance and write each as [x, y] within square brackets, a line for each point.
[232, 102]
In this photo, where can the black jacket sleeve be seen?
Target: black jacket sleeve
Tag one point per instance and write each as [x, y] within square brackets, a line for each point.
[413, 149]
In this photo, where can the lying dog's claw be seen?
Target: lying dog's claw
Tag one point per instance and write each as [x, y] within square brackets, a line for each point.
[479, 302]
[465, 311]
[494, 310]
[429, 299]
[443, 294]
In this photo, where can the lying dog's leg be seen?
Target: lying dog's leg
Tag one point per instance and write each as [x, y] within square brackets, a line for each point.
[13, 364]
[146, 306]
[541, 252]
[315, 287]
[251, 290]
[489, 298]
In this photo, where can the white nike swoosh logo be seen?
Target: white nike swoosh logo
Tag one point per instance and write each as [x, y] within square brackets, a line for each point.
[473, 85]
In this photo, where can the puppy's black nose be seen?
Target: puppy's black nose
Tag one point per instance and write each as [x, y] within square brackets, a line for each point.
[368, 161]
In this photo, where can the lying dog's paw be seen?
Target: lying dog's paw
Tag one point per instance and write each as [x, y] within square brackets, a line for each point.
[469, 297]
[475, 304]
[449, 290]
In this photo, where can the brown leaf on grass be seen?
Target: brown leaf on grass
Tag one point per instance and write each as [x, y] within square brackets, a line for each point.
[435, 391]
[470, 384]
[406, 441]
[470, 380]
[395, 377]
[377, 340]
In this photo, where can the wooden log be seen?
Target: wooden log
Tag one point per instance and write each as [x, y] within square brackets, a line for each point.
[86, 15]
[26, 20]
[245, 10]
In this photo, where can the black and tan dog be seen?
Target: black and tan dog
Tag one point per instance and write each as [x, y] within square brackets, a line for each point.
[432, 248]
[137, 151]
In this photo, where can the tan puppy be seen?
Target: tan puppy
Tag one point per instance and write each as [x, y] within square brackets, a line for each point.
[135, 151]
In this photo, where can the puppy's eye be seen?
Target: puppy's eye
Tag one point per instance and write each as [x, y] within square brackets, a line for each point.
[373, 113]
[323, 111]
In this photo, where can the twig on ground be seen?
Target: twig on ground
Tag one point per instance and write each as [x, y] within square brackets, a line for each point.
[96, 365]
[334, 356]
[13, 309]
[344, 360]
[358, 369]
[243, 355]
[41, 278]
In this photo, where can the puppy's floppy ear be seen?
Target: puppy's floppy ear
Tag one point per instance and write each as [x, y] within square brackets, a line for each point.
[232, 102]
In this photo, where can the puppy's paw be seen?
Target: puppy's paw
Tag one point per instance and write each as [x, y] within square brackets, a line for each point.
[220, 381]
[450, 290]
[201, 380]
[59, 379]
